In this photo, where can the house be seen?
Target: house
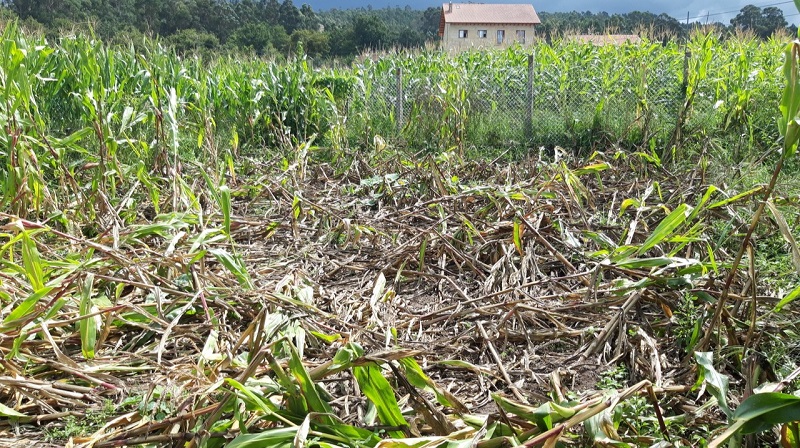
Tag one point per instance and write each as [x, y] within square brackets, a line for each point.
[476, 25]
[605, 39]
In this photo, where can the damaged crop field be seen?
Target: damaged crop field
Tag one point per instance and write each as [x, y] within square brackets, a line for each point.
[197, 254]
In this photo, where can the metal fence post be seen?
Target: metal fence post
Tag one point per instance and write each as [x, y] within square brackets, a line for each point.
[685, 84]
[529, 103]
[683, 109]
[399, 118]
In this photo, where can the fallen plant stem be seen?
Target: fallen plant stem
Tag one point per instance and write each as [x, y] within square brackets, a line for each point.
[738, 259]
[654, 401]
[499, 363]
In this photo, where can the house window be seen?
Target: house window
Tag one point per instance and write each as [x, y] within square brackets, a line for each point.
[462, 34]
[482, 34]
[501, 36]
[521, 36]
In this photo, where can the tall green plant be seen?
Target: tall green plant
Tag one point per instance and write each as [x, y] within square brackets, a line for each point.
[762, 411]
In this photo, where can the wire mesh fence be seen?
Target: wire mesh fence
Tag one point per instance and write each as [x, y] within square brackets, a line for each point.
[528, 103]
[703, 93]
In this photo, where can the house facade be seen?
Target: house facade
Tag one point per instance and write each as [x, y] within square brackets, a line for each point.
[473, 25]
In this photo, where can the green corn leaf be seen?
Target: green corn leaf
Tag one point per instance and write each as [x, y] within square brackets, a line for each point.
[212, 186]
[297, 206]
[87, 325]
[225, 205]
[703, 201]
[378, 390]
[7, 412]
[356, 437]
[422, 248]
[307, 387]
[665, 228]
[32, 262]
[628, 203]
[327, 338]
[346, 355]
[234, 265]
[735, 198]
[231, 167]
[471, 230]
[711, 259]
[296, 404]
[716, 383]
[639, 263]
[517, 236]
[543, 416]
[254, 399]
[273, 438]
[763, 411]
[788, 123]
[419, 379]
[760, 412]
[24, 308]
[591, 169]
[206, 237]
[789, 298]
[600, 429]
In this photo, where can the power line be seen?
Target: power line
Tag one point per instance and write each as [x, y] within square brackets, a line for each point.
[704, 16]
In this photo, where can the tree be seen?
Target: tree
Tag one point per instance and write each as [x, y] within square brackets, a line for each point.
[429, 25]
[748, 18]
[369, 32]
[309, 18]
[190, 40]
[261, 38]
[409, 38]
[149, 14]
[314, 43]
[46, 11]
[762, 23]
[342, 41]
[289, 16]
[773, 20]
[176, 17]
[272, 11]
[214, 17]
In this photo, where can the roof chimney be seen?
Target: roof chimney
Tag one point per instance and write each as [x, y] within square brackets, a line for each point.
[450, 7]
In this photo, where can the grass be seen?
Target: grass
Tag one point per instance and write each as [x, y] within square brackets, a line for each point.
[75, 427]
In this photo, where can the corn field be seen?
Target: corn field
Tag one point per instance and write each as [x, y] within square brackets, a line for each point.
[240, 253]
[578, 96]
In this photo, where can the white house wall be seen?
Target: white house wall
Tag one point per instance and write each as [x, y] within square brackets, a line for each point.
[452, 41]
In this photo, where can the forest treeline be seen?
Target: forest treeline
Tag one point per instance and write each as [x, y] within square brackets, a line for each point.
[276, 29]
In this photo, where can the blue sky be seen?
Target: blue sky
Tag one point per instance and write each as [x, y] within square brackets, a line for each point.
[697, 9]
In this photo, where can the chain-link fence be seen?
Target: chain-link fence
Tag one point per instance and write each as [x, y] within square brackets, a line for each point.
[524, 104]
[532, 105]
[581, 97]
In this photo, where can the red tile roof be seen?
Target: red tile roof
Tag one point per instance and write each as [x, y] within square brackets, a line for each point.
[479, 13]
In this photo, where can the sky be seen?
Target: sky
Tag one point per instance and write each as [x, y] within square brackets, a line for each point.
[698, 10]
